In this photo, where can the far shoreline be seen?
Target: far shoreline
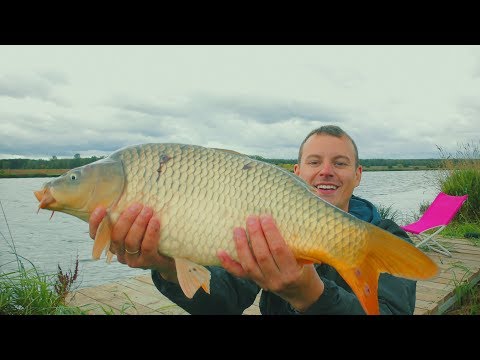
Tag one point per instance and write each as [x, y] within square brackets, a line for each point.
[34, 173]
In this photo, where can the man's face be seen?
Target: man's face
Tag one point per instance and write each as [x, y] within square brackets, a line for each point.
[328, 163]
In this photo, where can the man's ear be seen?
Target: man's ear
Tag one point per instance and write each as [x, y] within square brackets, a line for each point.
[296, 169]
[358, 175]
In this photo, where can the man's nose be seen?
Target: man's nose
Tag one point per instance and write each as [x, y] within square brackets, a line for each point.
[326, 169]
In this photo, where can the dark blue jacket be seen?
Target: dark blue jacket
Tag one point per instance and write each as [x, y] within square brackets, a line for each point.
[232, 295]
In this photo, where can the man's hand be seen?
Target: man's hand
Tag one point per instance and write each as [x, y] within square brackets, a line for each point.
[137, 231]
[271, 264]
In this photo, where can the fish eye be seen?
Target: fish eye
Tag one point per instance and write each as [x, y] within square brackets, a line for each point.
[73, 177]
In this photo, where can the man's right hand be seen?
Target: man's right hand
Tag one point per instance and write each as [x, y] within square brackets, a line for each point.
[136, 229]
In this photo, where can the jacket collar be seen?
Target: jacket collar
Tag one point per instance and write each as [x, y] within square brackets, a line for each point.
[364, 210]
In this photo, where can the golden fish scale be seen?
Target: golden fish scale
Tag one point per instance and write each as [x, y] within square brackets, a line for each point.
[201, 194]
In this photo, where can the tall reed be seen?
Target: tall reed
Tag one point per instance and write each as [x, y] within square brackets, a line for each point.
[460, 176]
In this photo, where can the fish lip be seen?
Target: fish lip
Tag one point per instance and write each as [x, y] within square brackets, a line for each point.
[45, 197]
[38, 194]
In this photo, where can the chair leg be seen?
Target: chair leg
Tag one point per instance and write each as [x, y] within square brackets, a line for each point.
[431, 243]
[439, 248]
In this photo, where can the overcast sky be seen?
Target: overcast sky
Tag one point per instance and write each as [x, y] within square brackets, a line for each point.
[395, 101]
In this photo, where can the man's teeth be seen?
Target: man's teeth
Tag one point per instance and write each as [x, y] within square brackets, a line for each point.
[327, 187]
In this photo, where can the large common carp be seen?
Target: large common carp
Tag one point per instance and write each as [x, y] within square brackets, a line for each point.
[201, 194]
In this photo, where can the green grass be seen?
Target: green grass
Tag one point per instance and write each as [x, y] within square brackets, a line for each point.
[28, 291]
[459, 230]
[467, 295]
[461, 176]
[387, 212]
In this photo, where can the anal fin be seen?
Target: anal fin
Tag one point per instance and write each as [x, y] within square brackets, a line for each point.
[363, 280]
[192, 276]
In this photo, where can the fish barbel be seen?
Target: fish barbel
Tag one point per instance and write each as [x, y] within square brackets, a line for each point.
[201, 194]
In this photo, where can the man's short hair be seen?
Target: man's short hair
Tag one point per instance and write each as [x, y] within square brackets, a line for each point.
[332, 130]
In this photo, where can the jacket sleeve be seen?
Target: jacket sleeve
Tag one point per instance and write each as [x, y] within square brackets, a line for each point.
[229, 295]
[396, 296]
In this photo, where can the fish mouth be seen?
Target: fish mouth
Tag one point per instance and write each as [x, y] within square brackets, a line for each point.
[45, 198]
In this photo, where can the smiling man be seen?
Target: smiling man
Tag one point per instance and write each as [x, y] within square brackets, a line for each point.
[328, 160]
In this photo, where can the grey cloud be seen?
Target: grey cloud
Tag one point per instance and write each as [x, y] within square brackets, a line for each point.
[28, 135]
[21, 87]
[206, 122]
[18, 87]
[387, 141]
[265, 111]
[268, 111]
[151, 109]
[55, 77]
[270, 128]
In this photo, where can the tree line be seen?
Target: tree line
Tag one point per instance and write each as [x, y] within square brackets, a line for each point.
[53, 163]
[426, 163]
[77, 160]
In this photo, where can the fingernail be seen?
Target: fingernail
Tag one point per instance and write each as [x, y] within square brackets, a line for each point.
[155, 224]
[221, 256]
[134, 208]
[146, 211]
[251, 220]
[264, 219]
[96, 212]
[237, 232]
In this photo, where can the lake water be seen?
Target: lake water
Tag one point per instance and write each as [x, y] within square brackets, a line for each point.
[50, 243]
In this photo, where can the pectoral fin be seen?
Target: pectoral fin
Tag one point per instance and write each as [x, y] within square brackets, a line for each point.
[102, 239]
[109, 256]
[192, 276]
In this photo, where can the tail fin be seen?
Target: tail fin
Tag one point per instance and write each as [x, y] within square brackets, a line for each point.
[385, 253]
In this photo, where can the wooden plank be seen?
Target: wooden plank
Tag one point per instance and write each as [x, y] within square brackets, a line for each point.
[474, 258]
[433, 285]
[142, 287]
[145, 278]
[114, 302]
[465, 248]
[427, 305]
[429, 297]
[448, 280]
[419, 311]
[456, 241]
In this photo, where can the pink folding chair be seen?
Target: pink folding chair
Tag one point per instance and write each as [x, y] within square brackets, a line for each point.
[438, 215]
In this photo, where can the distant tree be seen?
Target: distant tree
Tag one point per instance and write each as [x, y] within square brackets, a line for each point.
[77, 161]
[257, 157]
